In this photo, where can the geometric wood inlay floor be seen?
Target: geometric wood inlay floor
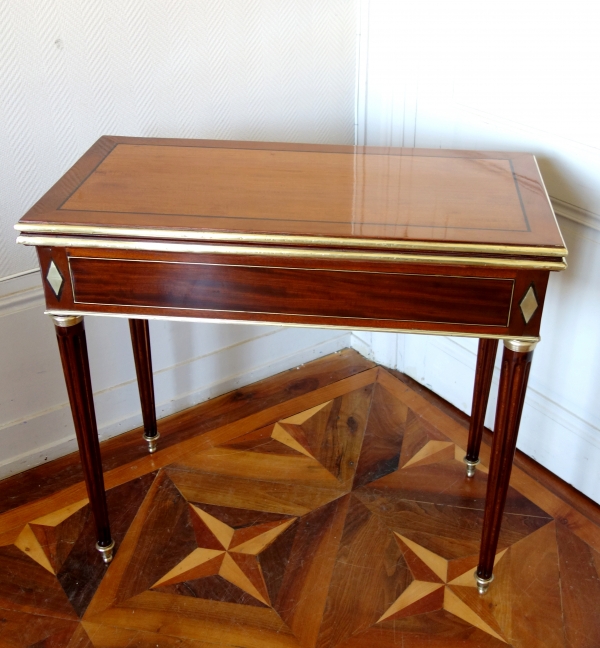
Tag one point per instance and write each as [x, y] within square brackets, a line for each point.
[338, 518]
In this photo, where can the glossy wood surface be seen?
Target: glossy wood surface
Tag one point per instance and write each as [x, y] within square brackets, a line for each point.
[477, 301]
[378, 550]
[486, 356]
[511, 396]
[142, 356]
[471, 197]
[73, 354]
[291, 291]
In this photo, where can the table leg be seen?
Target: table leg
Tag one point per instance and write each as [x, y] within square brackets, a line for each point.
[70, 334]
[516, 363]
[486, 355]
[140, 340]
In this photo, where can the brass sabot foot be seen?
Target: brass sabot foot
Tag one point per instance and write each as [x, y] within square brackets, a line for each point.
[483, 584]
[471, 465]
[152, 445]
[106, 552]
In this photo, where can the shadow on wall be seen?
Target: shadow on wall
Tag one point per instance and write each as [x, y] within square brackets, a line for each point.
[570, 340]
[193, 356]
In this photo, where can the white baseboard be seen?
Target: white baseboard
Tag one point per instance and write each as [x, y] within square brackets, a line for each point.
[361, 341]
[576, 214]
[20, 292]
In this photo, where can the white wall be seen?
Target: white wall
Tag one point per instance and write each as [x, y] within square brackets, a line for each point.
[71, 71]
[505, 76]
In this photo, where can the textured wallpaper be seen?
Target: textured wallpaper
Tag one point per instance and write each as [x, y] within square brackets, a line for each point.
[72, 70]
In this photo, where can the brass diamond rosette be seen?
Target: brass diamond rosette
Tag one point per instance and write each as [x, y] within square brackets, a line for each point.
[55, 279]
[529, 304]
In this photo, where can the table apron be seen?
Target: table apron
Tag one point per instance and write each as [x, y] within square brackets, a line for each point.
[439, 299]
[297, 292]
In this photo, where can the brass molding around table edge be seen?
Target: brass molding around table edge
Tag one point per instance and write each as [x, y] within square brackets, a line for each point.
[284, 252]
[67, 313]
[550, 205]
[285, 239]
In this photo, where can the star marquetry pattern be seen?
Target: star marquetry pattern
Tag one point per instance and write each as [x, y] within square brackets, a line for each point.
[227, 552]
[439, 584]
[347, 524]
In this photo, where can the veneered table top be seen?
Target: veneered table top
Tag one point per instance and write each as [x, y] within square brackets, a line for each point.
[339, 196]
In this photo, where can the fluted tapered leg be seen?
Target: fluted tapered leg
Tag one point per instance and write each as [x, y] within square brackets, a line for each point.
[140, 340]
[486, 355]
[70, 334]
[516, 363]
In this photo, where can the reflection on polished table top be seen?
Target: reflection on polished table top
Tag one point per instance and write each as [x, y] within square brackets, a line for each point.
[392, 198]
[424, 241]
[265, 213]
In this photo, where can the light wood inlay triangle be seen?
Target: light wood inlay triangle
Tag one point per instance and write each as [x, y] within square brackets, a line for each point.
[254, 546]
[56, 517]
[432, 452]
[221, 531]
[283, 436]
[29, 544]
[302, 417]
[437, 564]
[414, 592]
[231, 571]
[460, 609]
[185, 570]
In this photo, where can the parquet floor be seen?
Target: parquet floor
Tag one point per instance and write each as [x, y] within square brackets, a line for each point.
[329, 509]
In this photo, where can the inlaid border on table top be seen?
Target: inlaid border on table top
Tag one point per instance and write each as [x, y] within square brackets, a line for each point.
[48, 216]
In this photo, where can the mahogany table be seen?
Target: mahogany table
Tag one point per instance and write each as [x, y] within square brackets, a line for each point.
[420, 241]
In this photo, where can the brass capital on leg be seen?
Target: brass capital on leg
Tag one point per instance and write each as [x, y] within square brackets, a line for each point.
[521, 346]
[65, 321]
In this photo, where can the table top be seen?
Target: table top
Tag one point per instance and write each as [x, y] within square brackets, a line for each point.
[470, 202]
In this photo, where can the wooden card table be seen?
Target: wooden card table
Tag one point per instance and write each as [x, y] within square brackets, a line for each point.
[418, 241]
